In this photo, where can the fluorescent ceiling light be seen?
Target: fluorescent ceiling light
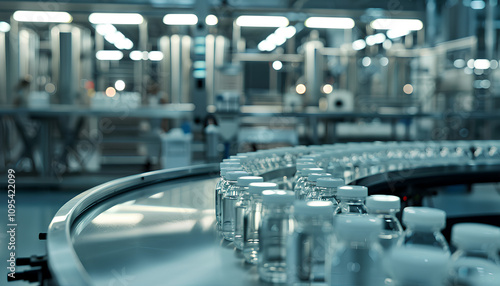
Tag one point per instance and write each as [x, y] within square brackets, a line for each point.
[135, 55]
[265, 45]
[375, 39]
[155, 56]
[42, 17]
[180, 19]
[286, 32]
[211, 20]
[358, 45]
[109, 55]
[397, 24]
[105, 29]
[482, 64]
[4, 27]
[397, 33]
[329, 22]
[116, 18]
[477, 4]
[262, 21]
[124, 44]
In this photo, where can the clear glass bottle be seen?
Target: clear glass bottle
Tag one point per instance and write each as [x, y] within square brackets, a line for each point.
[310, 186]
[229, 202]
[476, 261]
[276, 225]
[352, 200]
[241, 206]
[416, 266]
[327, 189]
[220, 189]
[306, 247]
[302, 181]
[355, 255]
[423, 228]
[298, 174]
[251, 220]
[386, 207]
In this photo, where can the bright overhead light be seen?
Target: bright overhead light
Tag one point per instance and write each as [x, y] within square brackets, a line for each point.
[477, 4]
[300, 88]
[4, 27]
[109, 55]
[116, 18]
[266, 46]
[482, 64]
[155, 56]
[277, 65]
[286, 32]
[119, 85]
[124, 44]
[329, 22]
[180, 19]
[397, 24]
[375, 39]
[211, 20]
[135, 55]
[327, 88]
[358, 45]
[42, 17]
[366, 61]
[262, 21]
[277, 40]
[105, 29]
[397, 33]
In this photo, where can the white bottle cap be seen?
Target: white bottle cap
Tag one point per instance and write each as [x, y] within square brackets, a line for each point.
[234, 175]
[315, 176]
[352, 192]
[313, 208]
[224, 171]
[423, 217]
[257, 188]
[304, 160]
[357, 227]
[475, 236]
[383, 203]
[329, 182]
[230, 165]
[307, 171]
[417, 265]
[246, 180]
[302, 166]
[278, 197]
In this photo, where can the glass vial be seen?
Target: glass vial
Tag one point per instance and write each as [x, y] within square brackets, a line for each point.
[220, 189]
[275, 228]
[386, 207]
[229, 203]
[306, 247]
[241, 206]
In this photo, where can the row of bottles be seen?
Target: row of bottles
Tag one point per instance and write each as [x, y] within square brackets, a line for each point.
[317, 230]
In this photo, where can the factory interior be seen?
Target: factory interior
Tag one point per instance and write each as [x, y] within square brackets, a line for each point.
[117, 118]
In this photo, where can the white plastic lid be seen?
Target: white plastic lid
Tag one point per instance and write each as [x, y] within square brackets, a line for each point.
[278, 197]
[352, 192]
[383, 203]
[423, 217]
[258, 187]
[234, 175]
[475, 236]
[246, 180]
[357, 227]
[417, 265]
[307, 171]
[229, 164]
[302, 166]
[313, 208]
[315, 176]
[329, 182]
[304, 160]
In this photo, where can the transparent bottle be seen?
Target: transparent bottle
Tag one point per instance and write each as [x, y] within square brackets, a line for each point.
[241, 206]
[220, 188]
[310, 186]
[327, 189]
[423, 228]
[352, 200]
[386, 207]
[476, 261]
[417, 266]
[355, 255]
[276, 226]
[306, 247]
[302, 181]
[229, 203]
[251, 220]
[298, 174]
